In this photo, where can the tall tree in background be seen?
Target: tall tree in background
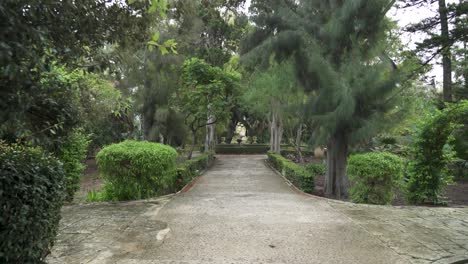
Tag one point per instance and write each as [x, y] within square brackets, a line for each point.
[339, 54]
[203, 99]
[445, 31]
[270, 93]
[210, 30]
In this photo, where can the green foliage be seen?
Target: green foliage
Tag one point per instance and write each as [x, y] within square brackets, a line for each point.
[190, 169]
[297, 174]
[374, 176]
[204, 98]
[136, 170]
[428, 173]
[51, 111]
[65, 100]
[104, 112]
[339, 53]
[272, 90]
[460, 142]
[316, 169]
[242, 149]
[212, 30]
[35, 100]
[204, 92]
[32, 189]
[72, 153]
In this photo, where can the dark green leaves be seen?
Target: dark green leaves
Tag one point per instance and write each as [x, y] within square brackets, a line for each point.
[31, 195]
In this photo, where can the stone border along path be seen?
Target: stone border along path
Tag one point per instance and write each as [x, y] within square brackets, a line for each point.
[240, 211]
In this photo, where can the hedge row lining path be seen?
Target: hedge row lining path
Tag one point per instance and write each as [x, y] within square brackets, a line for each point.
[240, 211]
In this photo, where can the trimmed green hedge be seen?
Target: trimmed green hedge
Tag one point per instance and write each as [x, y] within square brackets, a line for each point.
[32, 190]
[242, 149]
[136, 170]
[374, 176]
[190, 169]
[297, 174]
[292, 151]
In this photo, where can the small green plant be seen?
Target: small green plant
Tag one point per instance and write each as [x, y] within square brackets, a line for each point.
[297, 174]
[72, 153]
[136, 170]
[95, 196]
[32, 189]
[374, 176]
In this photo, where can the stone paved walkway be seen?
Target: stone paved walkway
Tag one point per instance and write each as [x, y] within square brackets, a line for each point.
[242, 212]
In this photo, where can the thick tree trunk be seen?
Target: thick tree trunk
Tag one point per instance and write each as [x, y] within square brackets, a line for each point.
[446, 54]
[276, 132]
[298, 143]
[465, 70]
[279, 134]
[210, 134]
[194, 142]
[336, 181]
[231, 130]
[272, 132]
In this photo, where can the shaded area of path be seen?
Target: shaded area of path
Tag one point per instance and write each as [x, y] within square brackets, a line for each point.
[242, 212]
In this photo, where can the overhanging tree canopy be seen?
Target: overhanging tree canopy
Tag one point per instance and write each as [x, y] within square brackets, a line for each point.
[339, 53]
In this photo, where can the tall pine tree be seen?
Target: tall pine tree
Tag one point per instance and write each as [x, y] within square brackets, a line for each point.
[338, 50]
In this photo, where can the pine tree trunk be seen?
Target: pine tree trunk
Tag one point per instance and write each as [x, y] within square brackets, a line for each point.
[298, 143]
[194, 142]
[446, 54]
[465, 70]
[272, 132]
[279, 134]
[336, 181]
[276, 132]
[231, 130]
[210, 132]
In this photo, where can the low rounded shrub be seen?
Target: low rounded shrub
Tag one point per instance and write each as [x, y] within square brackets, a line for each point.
[374, 175]
[32, 190]
[136, 169]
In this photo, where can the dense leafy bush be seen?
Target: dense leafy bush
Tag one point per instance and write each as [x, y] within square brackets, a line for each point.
[374, 175]
[316, 169]
[428, 173]
[73, 151]
[461, 141]
[242, 149]
[190, 169]
[136, 170]
[31, 194]
[105, 113]
[297, 174]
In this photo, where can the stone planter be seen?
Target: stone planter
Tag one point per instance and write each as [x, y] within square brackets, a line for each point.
[319, 152]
